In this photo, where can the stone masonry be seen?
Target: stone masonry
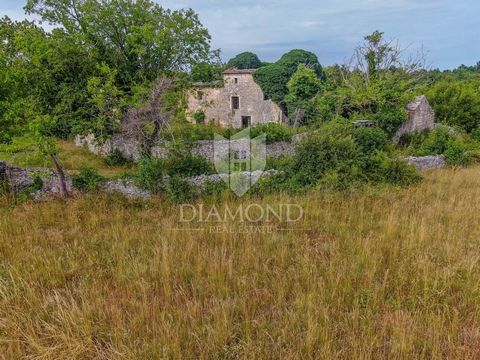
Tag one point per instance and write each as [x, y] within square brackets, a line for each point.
[420, 117]
[238, 103]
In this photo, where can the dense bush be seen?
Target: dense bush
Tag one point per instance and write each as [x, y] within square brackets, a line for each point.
[150, 174]
[116, 158]
[433, 142]
[189, 133]
[457, 153]
[182, 164]
[274, 132]
[459, 148]
[178, 190]
[339, 156]
[199, 117]
[152, 171]
[371, 139]
[457, 103]
[88, 179]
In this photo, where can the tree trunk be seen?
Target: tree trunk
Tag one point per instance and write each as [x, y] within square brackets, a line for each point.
[152, 139]
[61, 177]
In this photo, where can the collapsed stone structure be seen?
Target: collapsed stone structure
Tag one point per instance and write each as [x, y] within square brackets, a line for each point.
[421, 117]
[23, 180]
[236, 102]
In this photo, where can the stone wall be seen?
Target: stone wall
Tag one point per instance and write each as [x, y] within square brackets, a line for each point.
[420, 117]
[204, 148]
[216, 102]
[20, 180]
[427, 162]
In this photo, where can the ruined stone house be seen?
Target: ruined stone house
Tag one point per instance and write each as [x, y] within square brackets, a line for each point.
[236, 102]
[421, 117]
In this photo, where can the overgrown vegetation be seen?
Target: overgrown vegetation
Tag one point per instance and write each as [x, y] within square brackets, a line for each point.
[458, 147]
[88, 179]
[340, 156]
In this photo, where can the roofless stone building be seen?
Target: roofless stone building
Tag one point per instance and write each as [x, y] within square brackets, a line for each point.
[236, 102]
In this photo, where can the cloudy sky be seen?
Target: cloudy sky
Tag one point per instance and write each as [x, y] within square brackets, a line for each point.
[449, 31]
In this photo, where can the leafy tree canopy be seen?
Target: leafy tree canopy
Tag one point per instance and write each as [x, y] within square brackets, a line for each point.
[273, 78]
[100, 59]
[245, 60]
[457, 103]
[302, 88]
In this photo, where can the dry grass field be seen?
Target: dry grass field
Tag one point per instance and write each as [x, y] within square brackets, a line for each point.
[381, 273]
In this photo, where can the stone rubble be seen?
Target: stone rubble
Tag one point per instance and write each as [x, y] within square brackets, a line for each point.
[427, 162]
[21, 180]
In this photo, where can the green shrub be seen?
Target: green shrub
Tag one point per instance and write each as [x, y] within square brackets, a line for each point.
[339, 156]
[187, 165]
[280, 163]
[436, 142]
[274, 132]
[456, 153]
[383, 168]
[150, 174]
[199, 117]
[88, 179]
[460, 149]
[178, 190]
[371, 139]
[214, 190]
[4, 188]
[116, 158]
[245, 60]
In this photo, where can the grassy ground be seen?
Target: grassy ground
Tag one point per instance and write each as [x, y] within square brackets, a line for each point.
[72, 158]
[389, 273]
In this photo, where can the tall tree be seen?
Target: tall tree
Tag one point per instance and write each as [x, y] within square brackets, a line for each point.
[273, 78]
[302, 88]
[245, 60]
[140, 39]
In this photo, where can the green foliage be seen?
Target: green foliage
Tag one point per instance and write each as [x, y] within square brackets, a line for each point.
[302, 87]
[100, 59]
[214, 190]
[150, 174]
[376, 86]
[434, 142]
[371, 139]
[178, 190]
[206, 72]
[88, 179]
[274, 132]
[189, 133]
[185, 164]
[107, 103]
[245, 60]
[459, 149]
[457, 103]
[152, 171]
[457, 153]
[339, 156]
[199, 117]
[116, 158]
[273, 78]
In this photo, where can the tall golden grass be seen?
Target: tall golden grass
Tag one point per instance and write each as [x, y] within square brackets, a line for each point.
[381, 273]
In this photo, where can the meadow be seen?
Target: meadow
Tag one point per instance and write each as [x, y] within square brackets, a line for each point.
[384, 272]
